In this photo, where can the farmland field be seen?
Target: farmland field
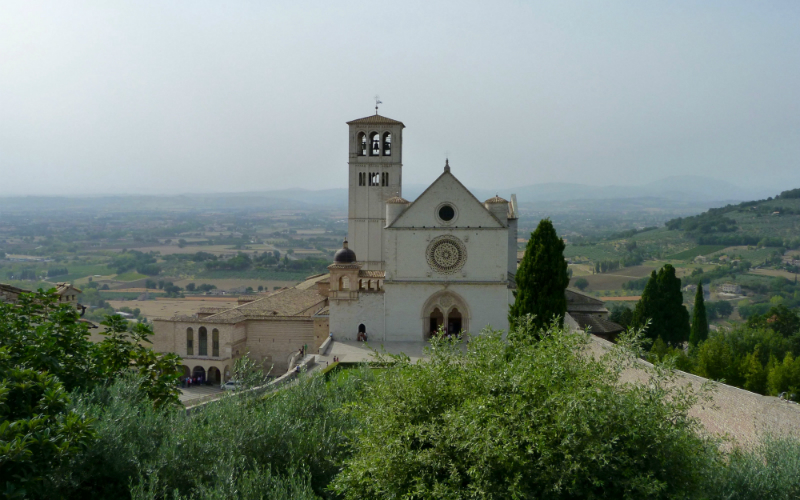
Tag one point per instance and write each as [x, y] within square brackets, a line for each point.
[695, 252]
[614, 281]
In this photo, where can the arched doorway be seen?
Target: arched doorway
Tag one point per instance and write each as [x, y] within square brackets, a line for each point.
[436, 320]
[185, 372]
[362, 332]
[214, 375]
[446, 310]
[454, 322]
[226, 373]
[199, 372]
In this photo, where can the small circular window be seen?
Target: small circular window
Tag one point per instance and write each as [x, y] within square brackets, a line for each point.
[446, 213]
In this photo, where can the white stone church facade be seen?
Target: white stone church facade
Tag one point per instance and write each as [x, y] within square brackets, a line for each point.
[444, 261]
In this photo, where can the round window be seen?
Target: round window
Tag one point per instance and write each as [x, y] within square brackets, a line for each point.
[446, 213]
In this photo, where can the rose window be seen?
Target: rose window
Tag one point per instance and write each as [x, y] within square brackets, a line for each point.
[446, 254]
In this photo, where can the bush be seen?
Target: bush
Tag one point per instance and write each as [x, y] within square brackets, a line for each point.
[292, 440]
[770, 470]
[525, 419]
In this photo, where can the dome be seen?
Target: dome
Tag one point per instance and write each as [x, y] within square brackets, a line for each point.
[344, 255]
[496, 199]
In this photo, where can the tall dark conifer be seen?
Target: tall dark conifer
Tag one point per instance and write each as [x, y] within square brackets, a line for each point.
[699, 318]
[541, 278]
[662, 304]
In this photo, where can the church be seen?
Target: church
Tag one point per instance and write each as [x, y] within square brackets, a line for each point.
[408, 269]
[444, 262]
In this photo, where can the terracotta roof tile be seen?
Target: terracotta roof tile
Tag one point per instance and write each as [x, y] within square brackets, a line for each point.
[375, 120]
[496, 199]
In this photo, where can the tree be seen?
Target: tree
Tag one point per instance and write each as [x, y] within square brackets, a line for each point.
[581, 283]
[779, 319]
[38, 430]
[541, 278]
[522, 419]
[662, 305]
[699, 332]
[45, 353]
[190, 287]
[621, 315]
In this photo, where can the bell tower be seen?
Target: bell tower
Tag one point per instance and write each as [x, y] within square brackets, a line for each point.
[376, 169]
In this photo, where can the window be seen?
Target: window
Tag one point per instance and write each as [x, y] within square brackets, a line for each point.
[189, 342]
[374, 179]
[384, 178]
[215, 342]
[202, 339]
[446, 213]
[362, 178]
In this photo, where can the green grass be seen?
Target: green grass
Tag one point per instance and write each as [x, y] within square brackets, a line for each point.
[695, 252]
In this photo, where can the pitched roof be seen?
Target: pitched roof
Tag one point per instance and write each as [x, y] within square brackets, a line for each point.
[458, 182]
[375, 120]
[595, 324]
[575, 298]
[286, 302]
[397, 200]
[496, 199]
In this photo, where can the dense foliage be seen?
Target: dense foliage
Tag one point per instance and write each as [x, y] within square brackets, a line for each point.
[531, 415]
[541, 278]
[45, 352]
[523, 419]
[762, 356]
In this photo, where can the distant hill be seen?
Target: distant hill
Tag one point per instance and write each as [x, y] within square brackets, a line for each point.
[772, 222]
[687, 191]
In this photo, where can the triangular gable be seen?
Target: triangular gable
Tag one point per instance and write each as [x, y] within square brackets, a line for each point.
[446, 188]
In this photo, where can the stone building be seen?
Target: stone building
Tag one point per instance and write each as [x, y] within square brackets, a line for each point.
[445, 261]
[270, 330]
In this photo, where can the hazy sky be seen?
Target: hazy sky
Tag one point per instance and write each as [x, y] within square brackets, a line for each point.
[159, 97]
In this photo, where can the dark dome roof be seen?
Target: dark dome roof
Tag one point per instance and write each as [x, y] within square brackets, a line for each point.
[344, 255]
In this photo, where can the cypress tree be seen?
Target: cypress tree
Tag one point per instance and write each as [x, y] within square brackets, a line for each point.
[541, 278]
[699, 318]
[662, 304]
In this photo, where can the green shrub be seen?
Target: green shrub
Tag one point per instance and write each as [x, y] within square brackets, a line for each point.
[524, 419]
[296, 433]
[769, 470]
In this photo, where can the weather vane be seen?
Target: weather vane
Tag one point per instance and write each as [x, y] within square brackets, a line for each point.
[377, 101]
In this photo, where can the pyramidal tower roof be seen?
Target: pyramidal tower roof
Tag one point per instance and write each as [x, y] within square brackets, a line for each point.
[375, 119]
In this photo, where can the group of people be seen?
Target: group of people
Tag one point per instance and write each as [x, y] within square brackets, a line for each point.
[189, 381]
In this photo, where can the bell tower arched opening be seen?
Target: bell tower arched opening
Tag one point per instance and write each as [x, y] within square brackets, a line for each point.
[375, 144]
[387, 144]
[361, 144]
